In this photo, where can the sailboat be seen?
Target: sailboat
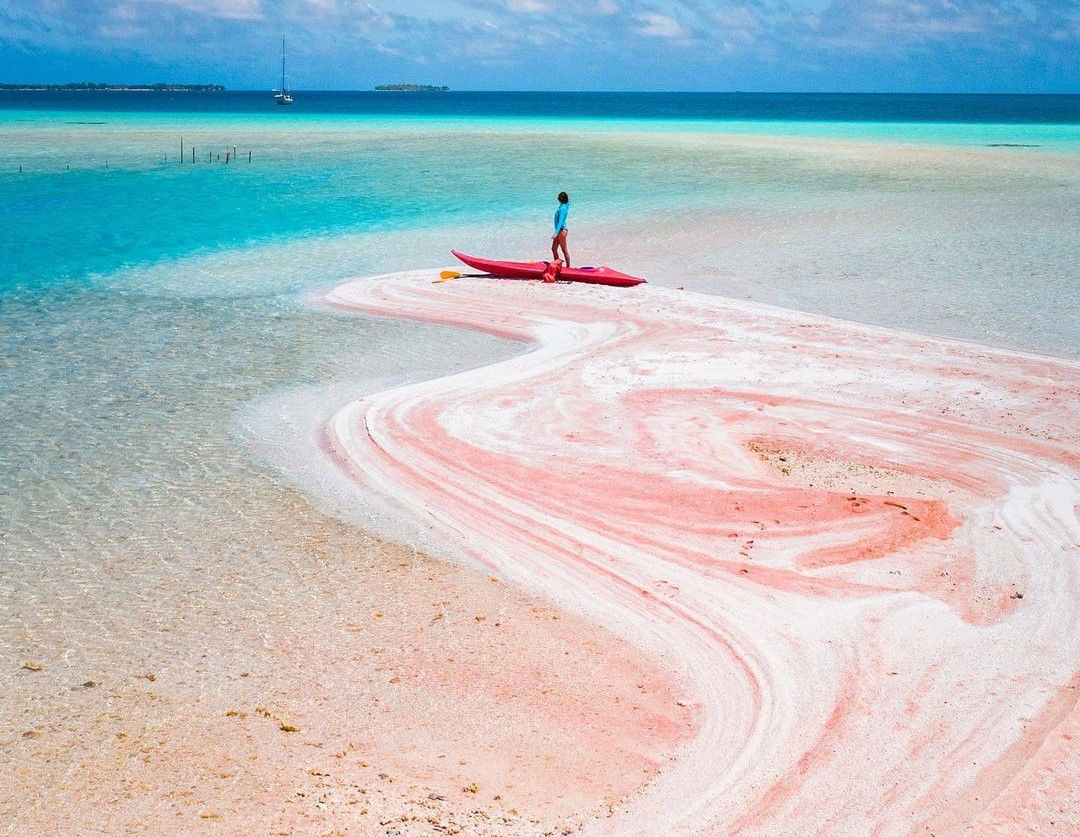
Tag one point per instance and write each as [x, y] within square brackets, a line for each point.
[283, 96]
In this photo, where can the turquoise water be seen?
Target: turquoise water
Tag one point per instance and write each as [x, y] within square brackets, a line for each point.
[100, 191]
[90, 183]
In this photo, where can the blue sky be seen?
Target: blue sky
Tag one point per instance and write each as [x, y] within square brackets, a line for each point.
[811, 45]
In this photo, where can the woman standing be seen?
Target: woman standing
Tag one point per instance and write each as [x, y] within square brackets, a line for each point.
[558, 240]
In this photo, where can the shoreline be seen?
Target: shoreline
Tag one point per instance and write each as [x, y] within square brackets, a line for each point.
[686, 564]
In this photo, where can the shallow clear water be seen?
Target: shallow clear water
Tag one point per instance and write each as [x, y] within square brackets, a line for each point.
[147, 304]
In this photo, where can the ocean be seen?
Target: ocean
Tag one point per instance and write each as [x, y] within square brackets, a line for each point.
[131, 270]
[152, 306]
[364, 163]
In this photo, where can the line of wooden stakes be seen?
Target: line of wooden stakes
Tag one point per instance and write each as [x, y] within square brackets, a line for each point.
[232, 155]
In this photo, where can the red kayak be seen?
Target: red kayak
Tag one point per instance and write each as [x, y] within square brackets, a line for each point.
[535, 270]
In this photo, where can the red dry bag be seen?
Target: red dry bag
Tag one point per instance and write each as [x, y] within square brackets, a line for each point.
[551, 273]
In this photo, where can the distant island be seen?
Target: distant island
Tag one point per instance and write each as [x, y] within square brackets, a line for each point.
[411, 88]
[160, 87]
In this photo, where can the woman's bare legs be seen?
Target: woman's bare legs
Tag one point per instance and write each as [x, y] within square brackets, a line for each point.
[559, 242]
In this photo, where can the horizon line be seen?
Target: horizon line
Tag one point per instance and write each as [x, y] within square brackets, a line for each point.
[40, 86]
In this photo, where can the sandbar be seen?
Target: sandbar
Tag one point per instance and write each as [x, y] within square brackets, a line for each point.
[858, 546]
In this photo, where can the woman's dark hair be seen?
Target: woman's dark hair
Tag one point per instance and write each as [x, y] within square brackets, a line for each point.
[564, 198]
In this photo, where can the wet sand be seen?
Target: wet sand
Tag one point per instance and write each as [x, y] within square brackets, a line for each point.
[379, 691]
[858, 545]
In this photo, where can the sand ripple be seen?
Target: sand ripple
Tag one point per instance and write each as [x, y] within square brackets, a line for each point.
[859, 546]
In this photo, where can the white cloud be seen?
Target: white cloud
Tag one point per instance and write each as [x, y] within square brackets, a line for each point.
[732, 16]
[227, 9]
[866, 25]
[656, 25]
[121, 31]
[344, 42]
[530, 7]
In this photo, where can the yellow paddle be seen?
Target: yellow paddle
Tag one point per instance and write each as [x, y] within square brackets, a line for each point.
[445, 275]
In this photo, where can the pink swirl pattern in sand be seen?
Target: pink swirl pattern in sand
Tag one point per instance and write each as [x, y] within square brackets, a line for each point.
[858, 546]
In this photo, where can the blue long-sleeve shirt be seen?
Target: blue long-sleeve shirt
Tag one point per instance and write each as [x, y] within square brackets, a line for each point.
[560, 217]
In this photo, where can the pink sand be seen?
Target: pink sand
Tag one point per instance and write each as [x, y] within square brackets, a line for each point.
[859, 546]
[382, 691]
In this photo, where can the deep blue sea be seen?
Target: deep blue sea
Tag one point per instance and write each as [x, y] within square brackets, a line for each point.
[807, 107]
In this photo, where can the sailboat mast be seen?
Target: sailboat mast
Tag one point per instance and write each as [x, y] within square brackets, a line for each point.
[283, 96]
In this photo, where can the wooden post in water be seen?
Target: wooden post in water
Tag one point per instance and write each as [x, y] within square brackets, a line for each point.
[249, 156]
[181, 150]
[193, 155]
[226, 158]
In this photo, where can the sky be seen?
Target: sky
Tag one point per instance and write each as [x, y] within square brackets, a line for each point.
[951, 46]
